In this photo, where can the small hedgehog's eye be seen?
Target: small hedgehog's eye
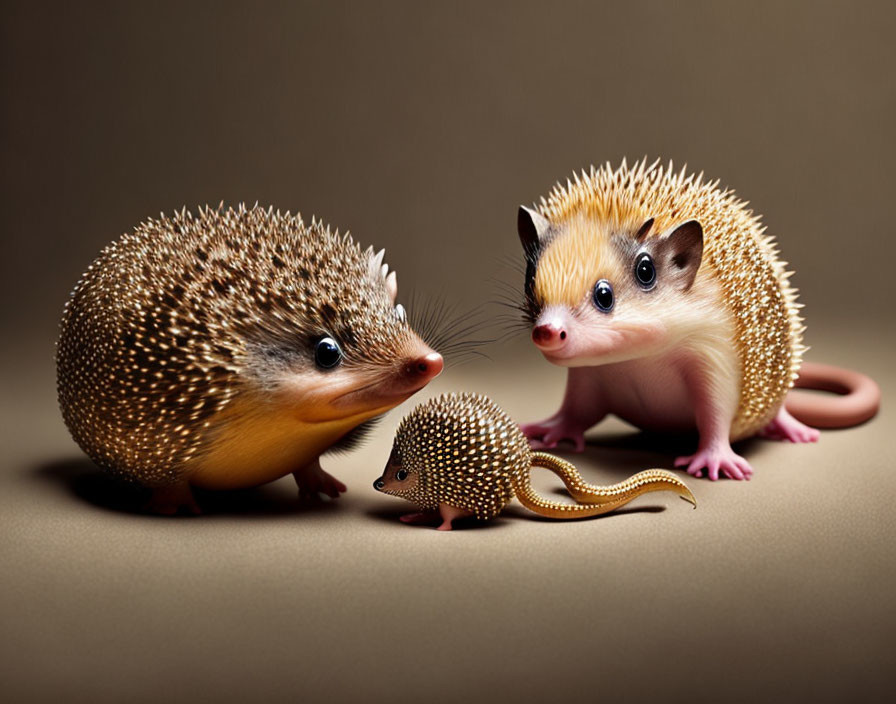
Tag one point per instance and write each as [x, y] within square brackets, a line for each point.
[603, 296]
[401, 475]
[645, 271]
[327, 353]
[400, 313]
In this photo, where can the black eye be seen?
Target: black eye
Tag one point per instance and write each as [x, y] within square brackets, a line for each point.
[401, 475]
[645, 271]
[327, 353]
[603, 296]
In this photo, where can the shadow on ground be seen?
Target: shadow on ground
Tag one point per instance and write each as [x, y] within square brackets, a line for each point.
[84, 481]
[396, 510]
[508, 516]
[622, 454]
[615, 456]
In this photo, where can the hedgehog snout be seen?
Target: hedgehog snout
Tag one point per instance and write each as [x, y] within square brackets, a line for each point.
[379, 484]
[549, 335]
[425, 368]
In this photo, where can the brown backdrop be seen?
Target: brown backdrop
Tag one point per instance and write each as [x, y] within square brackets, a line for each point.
[420, 127]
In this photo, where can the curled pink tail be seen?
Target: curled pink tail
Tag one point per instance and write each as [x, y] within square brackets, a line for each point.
[857, 397]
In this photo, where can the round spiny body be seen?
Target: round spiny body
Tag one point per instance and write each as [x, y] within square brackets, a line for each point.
[174, 321]
[737, 253]
[465, 451]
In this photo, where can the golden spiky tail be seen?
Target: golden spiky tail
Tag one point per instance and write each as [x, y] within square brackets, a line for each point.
[593, 500]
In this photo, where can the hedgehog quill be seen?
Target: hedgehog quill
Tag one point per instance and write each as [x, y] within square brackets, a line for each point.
[232, 348]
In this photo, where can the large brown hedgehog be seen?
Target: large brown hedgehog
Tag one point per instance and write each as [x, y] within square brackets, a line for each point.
[232, 348]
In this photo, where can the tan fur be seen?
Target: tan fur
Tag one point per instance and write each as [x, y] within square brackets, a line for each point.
[257, 441]
[566, 274]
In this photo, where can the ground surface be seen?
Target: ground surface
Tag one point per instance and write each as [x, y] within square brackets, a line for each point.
[780, 588]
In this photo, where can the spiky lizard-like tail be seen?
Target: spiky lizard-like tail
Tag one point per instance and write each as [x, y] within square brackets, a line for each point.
[593, 500]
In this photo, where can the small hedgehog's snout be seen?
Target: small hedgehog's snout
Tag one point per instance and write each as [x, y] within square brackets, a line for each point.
[549, 336]
[426, 367]
[379, 484]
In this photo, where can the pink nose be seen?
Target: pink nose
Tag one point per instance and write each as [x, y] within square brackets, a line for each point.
[425, 368]
[548, 336]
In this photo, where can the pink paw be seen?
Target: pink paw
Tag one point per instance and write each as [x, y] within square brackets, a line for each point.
[714, 460]
[443, 517]
[785, 427]
[546, 434]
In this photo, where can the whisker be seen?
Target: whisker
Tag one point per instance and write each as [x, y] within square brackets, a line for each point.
[452, 331]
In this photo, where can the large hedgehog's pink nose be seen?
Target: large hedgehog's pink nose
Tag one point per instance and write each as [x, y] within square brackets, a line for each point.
[548, 336]
[426, 367]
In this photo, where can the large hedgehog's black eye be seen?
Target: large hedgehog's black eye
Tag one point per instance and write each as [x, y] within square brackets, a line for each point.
[327, 353]
[603, 296]
[401, 475]
[645, 271]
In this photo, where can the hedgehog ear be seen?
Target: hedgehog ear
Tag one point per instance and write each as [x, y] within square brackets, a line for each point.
[531, 227]
[681, 252]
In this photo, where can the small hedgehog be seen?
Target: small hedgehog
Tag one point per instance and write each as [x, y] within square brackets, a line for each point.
[231, 349]
[462, 455]
[670, 306]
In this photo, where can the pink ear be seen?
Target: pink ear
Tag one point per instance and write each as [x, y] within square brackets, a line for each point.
[681, 252]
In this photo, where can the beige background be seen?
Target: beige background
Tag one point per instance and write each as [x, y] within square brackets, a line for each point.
[421, 128]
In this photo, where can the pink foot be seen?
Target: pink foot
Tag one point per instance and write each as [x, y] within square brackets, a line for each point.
[545, 434]
[449, 514]
[715, 459]
[446, 514]
[785, 427]
[312, 481]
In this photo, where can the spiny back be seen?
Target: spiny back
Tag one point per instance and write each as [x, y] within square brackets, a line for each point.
[174, 320]
[465, 450]
[737, 251]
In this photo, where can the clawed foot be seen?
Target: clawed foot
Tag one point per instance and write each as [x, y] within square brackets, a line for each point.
[786, 427]
[312, 481]
[715, 460]
[172, 500]
[545, 434]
